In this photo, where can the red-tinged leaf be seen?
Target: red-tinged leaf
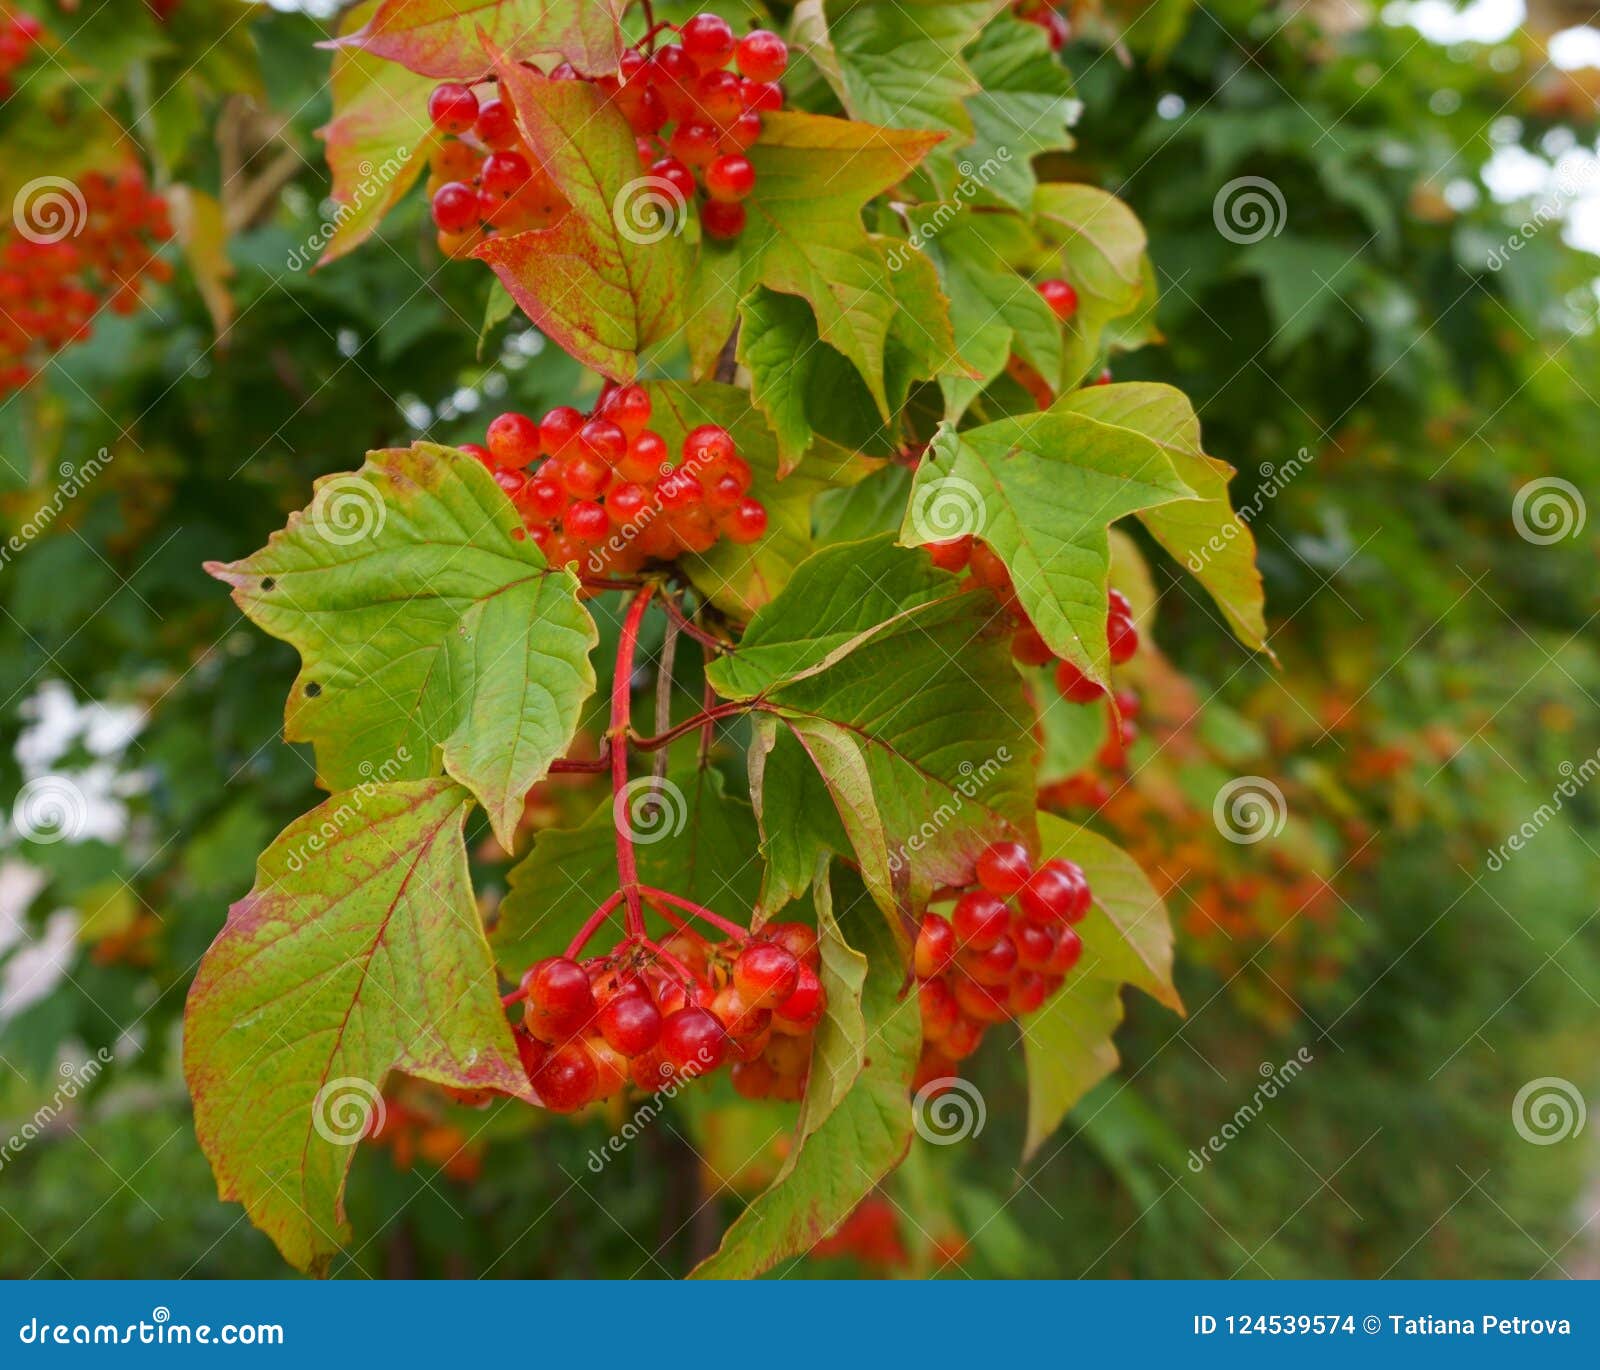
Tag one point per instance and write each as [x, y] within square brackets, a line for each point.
[358, 952]
[441, 38]
[375, 142]
[610, 277]
[804, 236]
[847, 1139]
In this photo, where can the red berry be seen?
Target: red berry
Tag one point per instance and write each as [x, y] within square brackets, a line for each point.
[721, 219]
[587, 521]
[1035, 945]
[566, 1081]
[936, 946]
[762, 55]
[496, 126]
[584, 476]
[1061, 297]
[453, 108]
[692, 1041]
[952, 555]
[677, 175]
[730, 178]
[513, 440]
[797, 939]
[709, 444]
[980, 920]
[504, 173]
[1122, 637]
[719, 98]
[625, 502]
[1117, 604]
[1076, 687]
[558, 429]
[939, 1008]
[543, 498]
[762, 97]
[708, 39]
[1069, 947]
[510, 481]
[765, 973]
[1004, 868]
[455, 207]
[804, 1005]
[1056, 893]
[1028, 647]
[560, 999]
[604, 441]
[628, 406]
[993, 965]
[631, 1023]
[694, 144]
[473, 449]
[747, 522]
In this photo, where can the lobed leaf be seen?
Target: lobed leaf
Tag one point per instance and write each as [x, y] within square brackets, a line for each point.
[444, 39]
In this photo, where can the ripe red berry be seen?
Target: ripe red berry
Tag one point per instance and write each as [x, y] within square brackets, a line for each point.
[952, 555]
[513, 440]
[628, 406]
[559, 997]
[692, 1041]
[694, 144]
[504, 173]
[1123, 639]
[762, 55]
[455, 207]
[631, 1023]
[584, 476]
[543, 498]
[797, 939]
[804, 1005]
[747, 522]
[1056, 893]
[730, 178]
[497, 125]
[558, 429]
[1004, 868]
[1075, 686]
[453, 108]
[1069, 947]
[677, 175]
[708, 39]
[625, 502]
[993, 965]
[762, 97]
[587, 521]
[604, 441]
[566, 1080]
[719, 98]
[765, 973]
[720, 219]
[980, 920]
[936, 946]
[939, 1008]
[1034, 945]
[1061, 297]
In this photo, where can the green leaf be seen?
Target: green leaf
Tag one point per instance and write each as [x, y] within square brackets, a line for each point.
[740, 578]
[1101, 252]
[1127, 939]
[901, 64]
[1204, 533]
[810, 831]
[610, 277]
[844, 1146]
[908, 706]
[380, 125]
[1041, 490]
[1022, 107]
[358, 952]
[804, 237]
[1303, 278]
[839, 1045]
[800, 382]
[995, 309]
[429, 632]
[444, 39]
[701, 843]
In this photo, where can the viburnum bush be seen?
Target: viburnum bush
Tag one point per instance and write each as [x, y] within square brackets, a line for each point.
[855, 447]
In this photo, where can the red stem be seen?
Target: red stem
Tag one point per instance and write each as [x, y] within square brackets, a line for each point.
[699, 634]
[697, 910]
[621, 723]
[700, 720]
[565, 766]
[592, 925]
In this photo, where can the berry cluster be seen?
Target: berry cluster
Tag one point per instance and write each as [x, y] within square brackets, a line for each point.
[1005, 949]
[693, 117]
[605, 492]
[19, 34]
[53, 284]
[1047, 15]
[482, 177]
[986, 569]
[659, 1015]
